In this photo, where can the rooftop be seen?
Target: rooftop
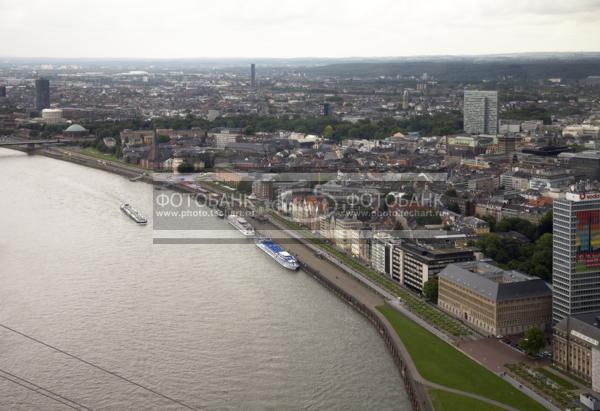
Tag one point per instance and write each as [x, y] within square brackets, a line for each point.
[495, 283]
[75, 128]
[438, 250]
[587, 324]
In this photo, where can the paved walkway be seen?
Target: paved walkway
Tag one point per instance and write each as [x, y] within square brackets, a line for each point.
[344, 277]
[88, 161]
[393, 300]
[530, 392]
[369, 294]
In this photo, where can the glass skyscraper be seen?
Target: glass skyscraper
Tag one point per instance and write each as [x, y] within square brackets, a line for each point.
[42, 94]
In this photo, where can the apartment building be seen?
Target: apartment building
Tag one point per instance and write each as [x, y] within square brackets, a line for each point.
[413, 264]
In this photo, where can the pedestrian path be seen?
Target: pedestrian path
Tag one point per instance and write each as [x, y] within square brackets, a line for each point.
[367, 292]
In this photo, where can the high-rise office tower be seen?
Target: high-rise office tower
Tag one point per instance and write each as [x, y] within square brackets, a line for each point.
[42, 93]
[405, 97]
[481, 112]
[326, 109]
[253, 75]
[2, 91]
[576, 255]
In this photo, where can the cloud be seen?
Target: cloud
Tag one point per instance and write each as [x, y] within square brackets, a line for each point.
[542, 7]
[288, 28]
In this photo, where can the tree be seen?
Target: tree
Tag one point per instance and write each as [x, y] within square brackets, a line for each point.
[533, 341]
[454, 208]
[531, 258]
[430, 290]
[545, 225]
[531, 112]
[451, 192]
[491, 220]
[390, 199]
[245, 187]
[328, 131]
[519, 225]
[185, 168]
[541, 259]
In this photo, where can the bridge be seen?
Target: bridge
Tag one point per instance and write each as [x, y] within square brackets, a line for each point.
[28, 144]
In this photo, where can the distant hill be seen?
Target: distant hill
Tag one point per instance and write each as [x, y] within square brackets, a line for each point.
[569, 66]
[470, 69]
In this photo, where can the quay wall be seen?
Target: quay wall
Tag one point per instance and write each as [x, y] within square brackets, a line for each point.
[415, 391]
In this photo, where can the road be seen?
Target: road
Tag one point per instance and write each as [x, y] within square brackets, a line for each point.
[88, 161]
[365, 294]
[355, 284]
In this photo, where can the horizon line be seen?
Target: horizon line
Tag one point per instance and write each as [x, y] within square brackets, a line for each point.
[413, 56]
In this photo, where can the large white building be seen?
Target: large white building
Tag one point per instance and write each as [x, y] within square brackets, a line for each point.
[52, 115]
[381, 253]
[480, 110]
[410, 263]
[223, 138]
[576, 255]
[581, 130]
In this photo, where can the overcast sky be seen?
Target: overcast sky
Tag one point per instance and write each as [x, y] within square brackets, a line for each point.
[294, 28]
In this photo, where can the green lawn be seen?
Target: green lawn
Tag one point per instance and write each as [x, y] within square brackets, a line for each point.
[441, 363]
[448, 401]
[559, 380]
[92, 152]
[572, 376]
[564, 397]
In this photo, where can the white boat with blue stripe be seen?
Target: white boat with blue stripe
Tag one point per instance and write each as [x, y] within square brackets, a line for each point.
[277, 253]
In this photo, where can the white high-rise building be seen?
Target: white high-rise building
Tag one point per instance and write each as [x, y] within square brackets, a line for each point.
[576, 255]
[405, 100]
[480, 110]
[381, 253]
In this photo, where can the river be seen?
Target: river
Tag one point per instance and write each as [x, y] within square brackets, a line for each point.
[214, 326]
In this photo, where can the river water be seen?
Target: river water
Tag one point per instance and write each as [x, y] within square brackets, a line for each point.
[213, 326]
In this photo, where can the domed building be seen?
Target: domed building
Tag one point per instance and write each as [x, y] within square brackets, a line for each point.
[76, 130]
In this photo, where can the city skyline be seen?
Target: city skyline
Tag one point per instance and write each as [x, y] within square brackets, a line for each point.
[134, 29]
[389, 205]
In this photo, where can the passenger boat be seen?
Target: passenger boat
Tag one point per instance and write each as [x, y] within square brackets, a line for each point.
[241, 224]
[278, 253]
[134, 214]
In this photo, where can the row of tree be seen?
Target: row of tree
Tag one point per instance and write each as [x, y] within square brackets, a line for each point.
[521, 226]
[436, 124]
[425, 124]
[528, 113]
[531, 258]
